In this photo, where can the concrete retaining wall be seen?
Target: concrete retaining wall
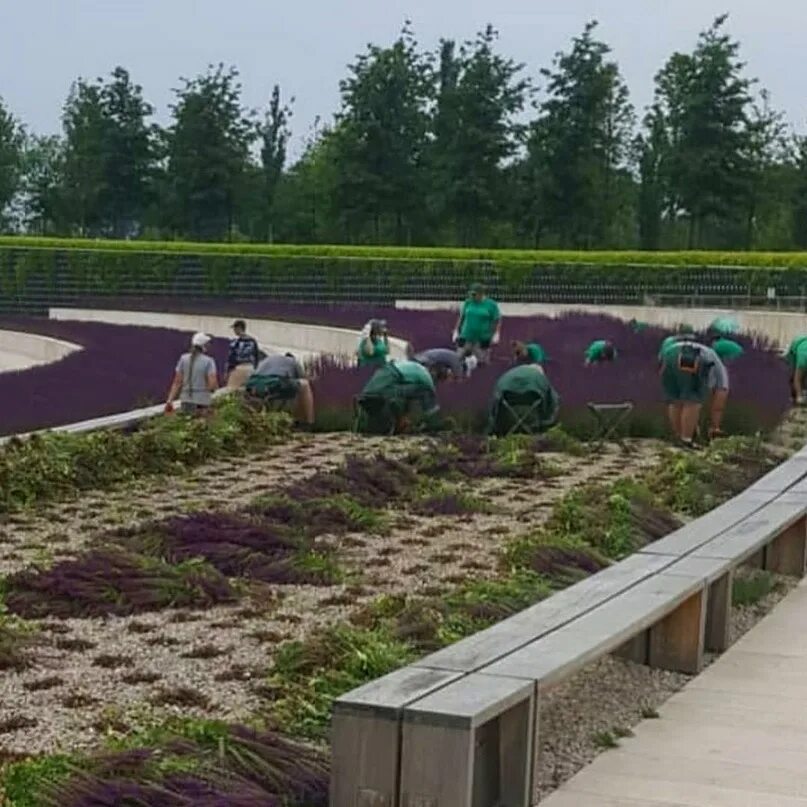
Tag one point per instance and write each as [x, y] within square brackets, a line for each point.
[272, 335]
[781, 326]
[18, 351]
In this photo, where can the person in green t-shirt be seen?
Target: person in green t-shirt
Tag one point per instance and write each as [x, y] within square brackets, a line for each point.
[528, 353]
[637, 326]
[479, 325]
[599, 351]
[796, 357]
[684, 333]
[727, 350]
[373, 349]
[405, 386]
[525, 382]
[724, 326]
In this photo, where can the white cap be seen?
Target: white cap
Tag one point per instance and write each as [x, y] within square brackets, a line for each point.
[200, 339]
[471, 363]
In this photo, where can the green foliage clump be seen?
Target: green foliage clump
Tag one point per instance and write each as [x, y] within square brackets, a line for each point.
[58, 465]
[750, 589]
[23, 782]
[308, 675]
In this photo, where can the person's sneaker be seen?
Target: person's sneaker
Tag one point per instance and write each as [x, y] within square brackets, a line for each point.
[690, 445]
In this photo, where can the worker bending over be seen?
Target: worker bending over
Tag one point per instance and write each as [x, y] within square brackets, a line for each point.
[243, 357]
[479, 325]
[282, 378]
[796, 357]
[528, 353]
[405, 386]
[599, 352]
[446, 363]
[727, 350]
[522, 382]
[373, 349]
[689, 371]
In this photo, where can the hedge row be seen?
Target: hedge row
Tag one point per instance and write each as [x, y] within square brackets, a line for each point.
[780, 260]
[33, 278]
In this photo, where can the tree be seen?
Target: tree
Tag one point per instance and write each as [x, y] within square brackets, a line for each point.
[799, 201]
[480, 94]
[128, 152]
[704, 100]
[11, 143]
[381, 135]
[274, 135]
[42, 185]
[580, 143]
[86, 132]
[208, 150]
[652, 148]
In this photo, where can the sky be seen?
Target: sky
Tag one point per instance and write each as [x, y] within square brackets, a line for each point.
[305, 45]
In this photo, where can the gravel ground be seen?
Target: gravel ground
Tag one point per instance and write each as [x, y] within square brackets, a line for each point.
[93, 676]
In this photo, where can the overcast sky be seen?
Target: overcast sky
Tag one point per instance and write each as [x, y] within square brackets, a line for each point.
[304, 45]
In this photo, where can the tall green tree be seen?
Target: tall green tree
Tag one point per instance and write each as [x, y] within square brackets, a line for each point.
[208, 147]
[799, 197]
[479, 97]
[653, 149]
[581, 144]
[11, 151]
[274, 136]
[704, 98]
[128, 152]
[381, 135]
[84, 183]
[43, 184]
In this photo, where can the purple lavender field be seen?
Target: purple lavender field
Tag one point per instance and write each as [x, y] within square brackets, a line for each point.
[121, 367]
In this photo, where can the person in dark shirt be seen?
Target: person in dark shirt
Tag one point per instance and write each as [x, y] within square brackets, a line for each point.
[243, 356]
[283, 377]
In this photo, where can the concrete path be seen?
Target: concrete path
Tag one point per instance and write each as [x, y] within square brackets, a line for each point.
[735, 736]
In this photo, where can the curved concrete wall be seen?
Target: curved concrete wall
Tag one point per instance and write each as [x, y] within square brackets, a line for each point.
[18, 351]
[781, 326]
[272, 335]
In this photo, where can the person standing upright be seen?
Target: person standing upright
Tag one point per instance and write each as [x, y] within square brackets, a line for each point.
[243, 356]
[479, 325]
[195, 379]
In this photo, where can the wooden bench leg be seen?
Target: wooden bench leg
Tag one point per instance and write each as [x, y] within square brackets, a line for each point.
[466, 766]
[757, 560]
[676, 643]
[718, 613]
[365, 760]
[635, 649]
[787, 553]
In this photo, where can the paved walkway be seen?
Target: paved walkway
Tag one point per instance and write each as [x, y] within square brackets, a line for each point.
[735, 736]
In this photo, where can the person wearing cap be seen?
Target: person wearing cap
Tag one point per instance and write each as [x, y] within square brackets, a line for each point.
[724, 326]
[405, 385]
[373, 349]
[528, 353]
[243, 356]
[796, 357]
[684, 333]
[527, 378]
[195, 379]
[447, 363]
[479, 324]
[599, 351]
[283, 376]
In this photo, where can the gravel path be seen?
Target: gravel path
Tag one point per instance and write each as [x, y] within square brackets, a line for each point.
[90, 677]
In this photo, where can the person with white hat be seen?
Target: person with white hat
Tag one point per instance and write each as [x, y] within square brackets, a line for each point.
[195, 379]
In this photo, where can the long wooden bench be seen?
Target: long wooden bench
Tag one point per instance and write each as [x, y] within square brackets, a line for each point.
[664, 606]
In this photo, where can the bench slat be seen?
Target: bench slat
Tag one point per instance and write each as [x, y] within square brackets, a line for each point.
[558, 655]
[487, 646]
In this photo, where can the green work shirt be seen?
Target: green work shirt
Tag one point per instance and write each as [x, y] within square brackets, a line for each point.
[594, 352]
[637, 326]
[413, 372]
[479, 319]
[379, 356]
[725, 325]
[668, 343]
[535, 353]
[528, 378]
[727, 349]
[797, 353]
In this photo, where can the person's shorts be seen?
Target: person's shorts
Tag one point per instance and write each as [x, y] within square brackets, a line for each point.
[193, 409]
[265, 386]
[483, 345]
[681, 387]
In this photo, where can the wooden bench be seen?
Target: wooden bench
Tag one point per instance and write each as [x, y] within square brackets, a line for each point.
[470, 744]
[664, 606]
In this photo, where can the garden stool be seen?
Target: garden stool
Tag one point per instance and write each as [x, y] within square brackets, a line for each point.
[522, 411]
[373, 413]
[609, 417]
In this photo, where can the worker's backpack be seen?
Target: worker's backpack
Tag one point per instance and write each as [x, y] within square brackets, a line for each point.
[689, 358]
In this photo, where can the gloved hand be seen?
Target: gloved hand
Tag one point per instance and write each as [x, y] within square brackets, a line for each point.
[496, 338]
[169, 408]
[455, 335]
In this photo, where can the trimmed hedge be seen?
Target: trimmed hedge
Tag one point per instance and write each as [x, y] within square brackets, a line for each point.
[38, 272]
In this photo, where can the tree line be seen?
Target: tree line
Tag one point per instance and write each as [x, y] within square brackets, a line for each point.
[456, 147]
